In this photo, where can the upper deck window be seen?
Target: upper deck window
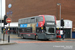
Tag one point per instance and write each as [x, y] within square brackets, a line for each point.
[38, 19]
[32, 20]
[49, 18]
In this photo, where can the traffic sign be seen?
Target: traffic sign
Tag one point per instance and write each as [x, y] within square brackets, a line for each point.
[8, 20]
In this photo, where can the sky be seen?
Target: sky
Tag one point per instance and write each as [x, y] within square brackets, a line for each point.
[2, 13]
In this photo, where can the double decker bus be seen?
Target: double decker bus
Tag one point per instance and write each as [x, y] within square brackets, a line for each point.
[37, 27]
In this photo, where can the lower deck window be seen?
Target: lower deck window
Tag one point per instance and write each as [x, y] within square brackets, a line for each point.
[28, 30]
[20, 30]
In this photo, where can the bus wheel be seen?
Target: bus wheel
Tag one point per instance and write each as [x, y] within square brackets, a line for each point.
[36, 37]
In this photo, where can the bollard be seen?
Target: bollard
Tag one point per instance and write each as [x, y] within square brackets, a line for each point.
[9, 33]
[8, 38]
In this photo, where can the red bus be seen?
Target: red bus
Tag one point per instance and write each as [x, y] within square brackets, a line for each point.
[37, 27]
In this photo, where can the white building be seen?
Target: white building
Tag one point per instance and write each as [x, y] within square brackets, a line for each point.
[2, 12]
[67, 27]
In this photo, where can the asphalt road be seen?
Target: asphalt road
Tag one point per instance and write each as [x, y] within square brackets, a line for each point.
[31, 44]
[40, 46]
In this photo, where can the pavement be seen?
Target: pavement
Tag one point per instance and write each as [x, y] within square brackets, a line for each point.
[69, 39]
[6, 43]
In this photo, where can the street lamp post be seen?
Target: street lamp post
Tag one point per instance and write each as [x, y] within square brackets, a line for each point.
[59, 4]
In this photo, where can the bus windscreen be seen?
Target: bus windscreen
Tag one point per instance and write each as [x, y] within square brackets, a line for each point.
[49, 18]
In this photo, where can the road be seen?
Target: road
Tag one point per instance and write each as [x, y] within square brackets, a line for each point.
[31, 44]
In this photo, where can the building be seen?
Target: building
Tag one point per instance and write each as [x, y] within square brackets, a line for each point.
[67, 28]
[13, 27]
[28, 8]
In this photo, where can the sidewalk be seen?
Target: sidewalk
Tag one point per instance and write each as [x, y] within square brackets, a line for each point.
[6, 43]
[11, 36]
[69, 39]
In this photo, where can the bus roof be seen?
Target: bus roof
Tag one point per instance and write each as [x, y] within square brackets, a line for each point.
[35, 16]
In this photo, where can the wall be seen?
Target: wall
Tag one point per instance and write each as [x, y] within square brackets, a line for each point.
[28, 8]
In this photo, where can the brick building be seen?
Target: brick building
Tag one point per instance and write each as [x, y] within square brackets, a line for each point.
[28, 8]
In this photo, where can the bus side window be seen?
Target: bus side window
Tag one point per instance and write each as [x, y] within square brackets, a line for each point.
[40, 18]
[25, 21]
[37, 19]
[37, 30]
[25, 29]
[19, 21]
[32, 20]
[20, 30]
[22, 21]
[29, 20]
[28, 30]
